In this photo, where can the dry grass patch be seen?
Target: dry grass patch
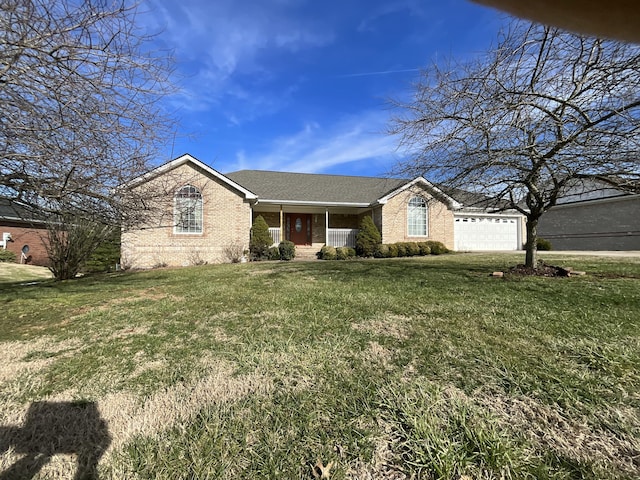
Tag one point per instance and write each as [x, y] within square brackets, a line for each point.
[21, 358]
[379, 354]
[126, 416]
[548, 428]
[387, 325]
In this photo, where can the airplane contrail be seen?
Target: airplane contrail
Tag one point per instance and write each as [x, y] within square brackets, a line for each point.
[383, 72]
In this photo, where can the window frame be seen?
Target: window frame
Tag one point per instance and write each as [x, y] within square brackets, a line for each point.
[423, 221]
[192, 196]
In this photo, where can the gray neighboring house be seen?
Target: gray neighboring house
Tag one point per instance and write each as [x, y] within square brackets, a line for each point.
[593, 216]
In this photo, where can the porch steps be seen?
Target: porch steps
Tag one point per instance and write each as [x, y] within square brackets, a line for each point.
[306, 252]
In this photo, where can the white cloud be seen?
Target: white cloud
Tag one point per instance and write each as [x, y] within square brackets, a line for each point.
[219, 42]
[316, 149]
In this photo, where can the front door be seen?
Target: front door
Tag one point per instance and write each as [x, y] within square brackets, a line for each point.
[299, 228]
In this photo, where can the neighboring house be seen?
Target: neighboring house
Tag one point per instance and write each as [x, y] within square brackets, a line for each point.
[207, 212]
[593, 216]
[22, 233]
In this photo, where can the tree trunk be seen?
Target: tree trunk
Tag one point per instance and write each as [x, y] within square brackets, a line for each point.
[531, 258]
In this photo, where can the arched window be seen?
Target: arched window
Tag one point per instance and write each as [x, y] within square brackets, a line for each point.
[187, 210]
[417, 220]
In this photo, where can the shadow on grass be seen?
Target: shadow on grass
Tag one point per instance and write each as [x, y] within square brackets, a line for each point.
[52, 428]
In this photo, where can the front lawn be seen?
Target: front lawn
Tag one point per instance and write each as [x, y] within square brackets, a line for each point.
[405, 368]
[14, 272]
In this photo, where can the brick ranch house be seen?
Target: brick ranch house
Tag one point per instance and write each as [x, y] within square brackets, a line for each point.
[21, 234]
[205, 212]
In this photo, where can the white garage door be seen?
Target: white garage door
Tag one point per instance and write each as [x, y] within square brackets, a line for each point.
[486, 233]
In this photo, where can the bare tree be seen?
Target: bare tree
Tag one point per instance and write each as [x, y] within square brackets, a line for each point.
[80, 92]
[527, 121]
[70, 242]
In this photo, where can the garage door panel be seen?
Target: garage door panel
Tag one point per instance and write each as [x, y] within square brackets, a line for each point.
[474, 233]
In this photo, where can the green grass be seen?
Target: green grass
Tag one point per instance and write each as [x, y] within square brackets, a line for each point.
[16, 273]
[405, 368]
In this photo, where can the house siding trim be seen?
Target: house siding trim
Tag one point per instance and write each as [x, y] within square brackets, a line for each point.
[421, 181]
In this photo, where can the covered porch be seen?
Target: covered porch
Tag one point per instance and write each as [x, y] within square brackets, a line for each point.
[312, 225]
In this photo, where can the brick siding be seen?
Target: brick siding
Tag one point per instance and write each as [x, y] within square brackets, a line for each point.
[22, 235]
[226, 222]
[394, 219]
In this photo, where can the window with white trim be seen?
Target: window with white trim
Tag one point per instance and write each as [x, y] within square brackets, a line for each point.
[417, 221]
[187, 210]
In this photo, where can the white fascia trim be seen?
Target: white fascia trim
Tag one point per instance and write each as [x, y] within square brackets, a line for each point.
[314, 203]
[453, 203]
[13, 219]
[463, 213]
[186, 158]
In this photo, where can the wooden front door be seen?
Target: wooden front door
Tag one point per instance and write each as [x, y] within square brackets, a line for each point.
[299, 228]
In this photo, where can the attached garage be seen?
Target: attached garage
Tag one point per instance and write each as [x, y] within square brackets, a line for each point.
[487, 232]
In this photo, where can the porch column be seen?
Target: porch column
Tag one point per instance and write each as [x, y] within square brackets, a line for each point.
[250, 227]
[326, 226]
[281, 224]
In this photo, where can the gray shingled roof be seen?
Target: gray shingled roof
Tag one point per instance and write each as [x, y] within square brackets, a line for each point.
[10, 210]
[14, 211]
[306, 187]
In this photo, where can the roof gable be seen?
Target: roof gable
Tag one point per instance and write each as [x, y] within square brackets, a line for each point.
[188, 159]
[425, 183]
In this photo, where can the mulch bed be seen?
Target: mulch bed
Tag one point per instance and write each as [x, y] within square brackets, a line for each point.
[542, 270]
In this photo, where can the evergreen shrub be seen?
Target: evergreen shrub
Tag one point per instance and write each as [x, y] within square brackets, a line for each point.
[425, 249]
[7, 256]
[413, 249]
[368, 238]
[382, 251]
[273, 253]
[327, 253]
[543, 244]
[287, 250]
[261, 239]
[437, 248]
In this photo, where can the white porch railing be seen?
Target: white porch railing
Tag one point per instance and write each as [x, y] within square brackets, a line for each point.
[275, 234]
[342, 237]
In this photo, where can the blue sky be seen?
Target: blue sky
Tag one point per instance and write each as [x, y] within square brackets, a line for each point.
[303, 85]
